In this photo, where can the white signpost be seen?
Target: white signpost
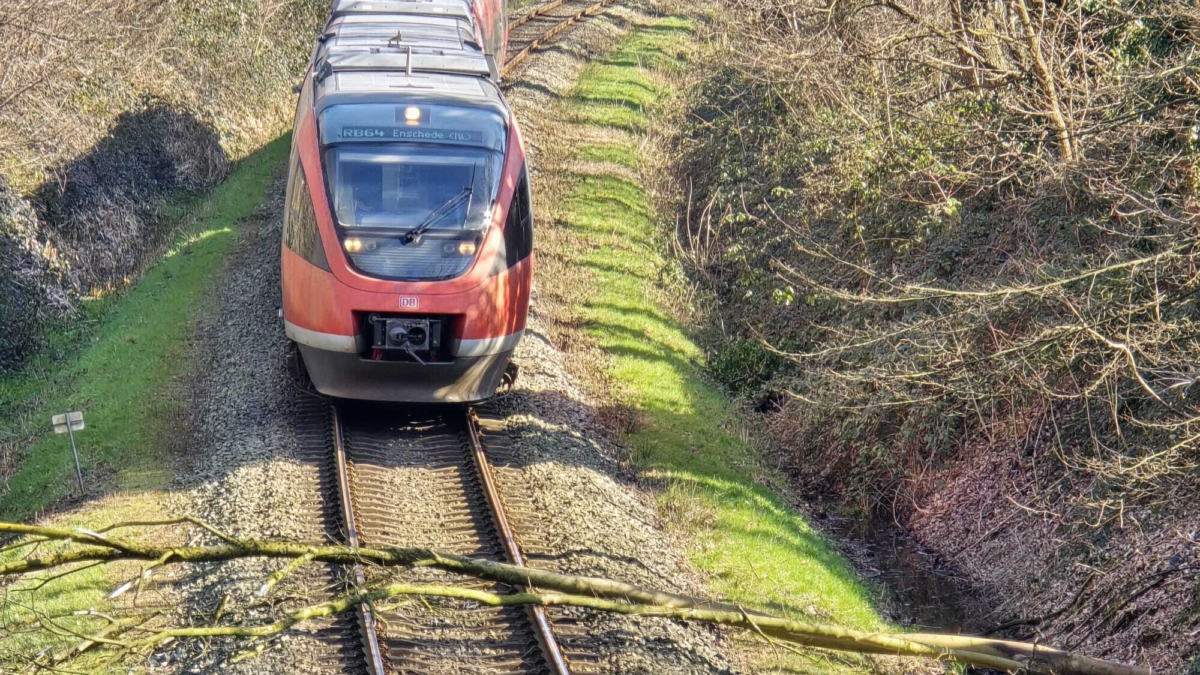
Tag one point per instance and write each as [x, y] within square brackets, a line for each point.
[68, 424]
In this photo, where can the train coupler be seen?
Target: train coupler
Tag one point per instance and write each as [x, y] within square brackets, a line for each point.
[418, 339]
[509, 379]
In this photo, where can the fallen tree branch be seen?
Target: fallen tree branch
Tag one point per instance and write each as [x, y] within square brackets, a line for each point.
[826, 637]
[542, 588]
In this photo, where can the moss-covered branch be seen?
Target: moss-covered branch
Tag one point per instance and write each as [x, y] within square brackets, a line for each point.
[542, 588]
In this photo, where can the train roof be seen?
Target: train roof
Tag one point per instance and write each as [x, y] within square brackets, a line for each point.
[454, 8]
[417, 31]
[374, 52]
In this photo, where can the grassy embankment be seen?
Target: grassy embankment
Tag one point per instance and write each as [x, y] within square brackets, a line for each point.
[135, 351]
[756, 550]
[132, 348]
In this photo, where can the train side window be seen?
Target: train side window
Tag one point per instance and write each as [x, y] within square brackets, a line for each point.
[300, 232]
[518, 230]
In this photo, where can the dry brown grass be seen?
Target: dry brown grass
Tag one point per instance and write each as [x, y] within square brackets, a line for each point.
[112, 109]
[71, 68]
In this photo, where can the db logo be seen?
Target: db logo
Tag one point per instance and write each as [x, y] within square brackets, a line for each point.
[409, 302]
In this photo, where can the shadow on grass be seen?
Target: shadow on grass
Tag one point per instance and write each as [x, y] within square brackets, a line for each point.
[603, 267]
[526, 85]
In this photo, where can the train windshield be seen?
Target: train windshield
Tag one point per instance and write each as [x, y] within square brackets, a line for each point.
[406, 187]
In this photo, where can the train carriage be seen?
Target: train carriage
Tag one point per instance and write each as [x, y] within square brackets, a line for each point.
[408, 229]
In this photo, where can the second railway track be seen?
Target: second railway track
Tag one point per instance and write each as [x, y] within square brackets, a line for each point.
[421, 477]
[543, 24]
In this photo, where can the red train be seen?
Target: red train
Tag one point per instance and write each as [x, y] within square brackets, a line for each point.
[407, 250]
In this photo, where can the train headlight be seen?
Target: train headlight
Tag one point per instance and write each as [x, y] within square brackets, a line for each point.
[459, 248]
[356, 245]
[412, 114]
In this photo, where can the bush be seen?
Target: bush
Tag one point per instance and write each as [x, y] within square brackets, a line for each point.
[105, 208]
[744, 367]
[972, 229]
[969, 211]
[32, 280]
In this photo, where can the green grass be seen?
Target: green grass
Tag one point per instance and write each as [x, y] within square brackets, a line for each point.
[616, 153]
[60, 598]
[757, 550]
[130, 351]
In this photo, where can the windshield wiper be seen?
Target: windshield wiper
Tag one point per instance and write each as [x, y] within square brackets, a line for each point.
[437, 214]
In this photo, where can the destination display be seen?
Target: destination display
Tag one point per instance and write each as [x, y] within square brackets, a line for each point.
[412, 122]
[410, 134]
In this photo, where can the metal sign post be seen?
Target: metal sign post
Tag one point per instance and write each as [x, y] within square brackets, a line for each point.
[68, 424]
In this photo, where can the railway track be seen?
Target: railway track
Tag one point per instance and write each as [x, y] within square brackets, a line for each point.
[543, 24]
[389, 476]
[419, 477]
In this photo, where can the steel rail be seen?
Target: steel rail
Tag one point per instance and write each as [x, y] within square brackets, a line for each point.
[366, 616]
[537, 11]
[545, 634]
[554, 31]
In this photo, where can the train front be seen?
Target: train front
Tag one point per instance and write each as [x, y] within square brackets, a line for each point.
[407, 255]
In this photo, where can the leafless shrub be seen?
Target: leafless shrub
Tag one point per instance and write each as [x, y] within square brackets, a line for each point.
[953, 215]
[34, 289]
[696, 239]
